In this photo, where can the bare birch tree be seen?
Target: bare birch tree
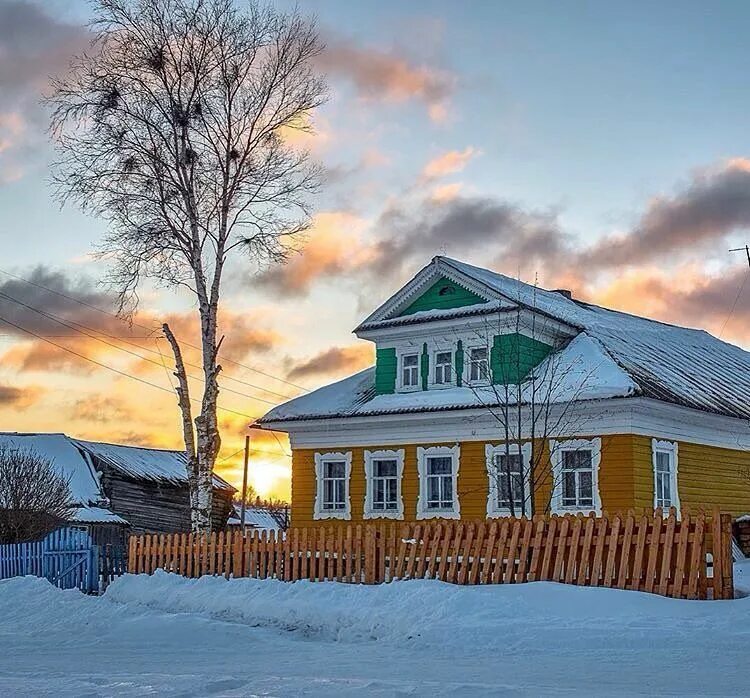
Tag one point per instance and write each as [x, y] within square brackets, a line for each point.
[172, 128]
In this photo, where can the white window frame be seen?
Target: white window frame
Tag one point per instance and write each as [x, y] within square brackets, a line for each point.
[670, 448]
[370, 457]
[467, 379]
[401, 385]
[453, 452]
[495, 511]
[556, 450]
[433, 367]
[319, 512]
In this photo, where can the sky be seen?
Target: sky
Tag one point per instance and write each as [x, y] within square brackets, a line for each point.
[599, 147]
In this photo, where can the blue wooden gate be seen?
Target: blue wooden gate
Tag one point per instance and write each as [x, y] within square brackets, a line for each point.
[70, 560]
[67, 557]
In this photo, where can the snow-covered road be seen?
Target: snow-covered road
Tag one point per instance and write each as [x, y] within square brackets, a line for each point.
[170, 636]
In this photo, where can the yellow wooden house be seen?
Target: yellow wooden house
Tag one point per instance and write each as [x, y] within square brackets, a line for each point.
[491, 397]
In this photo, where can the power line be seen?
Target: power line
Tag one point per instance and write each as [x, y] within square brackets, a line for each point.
[137, 324]
[746, 250]
[127, 351]
[115, 370]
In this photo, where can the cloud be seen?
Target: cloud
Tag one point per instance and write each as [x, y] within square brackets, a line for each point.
[33, 46]
[53, 302]
[461, 226]
[102, 409]
[388, 75]
[449, 163]
[686, 296]
[336, 360]
[715, 203]
[334, 245]
[19, 398]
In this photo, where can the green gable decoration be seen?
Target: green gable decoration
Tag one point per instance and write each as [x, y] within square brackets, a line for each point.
[513, 356]
[459, 363]
[444, 294]
[424, 366]
[385, 371]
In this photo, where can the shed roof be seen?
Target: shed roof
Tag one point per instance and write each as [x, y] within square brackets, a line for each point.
[139, 463]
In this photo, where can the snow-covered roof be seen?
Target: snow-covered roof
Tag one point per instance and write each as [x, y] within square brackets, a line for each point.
[255, 517]
[67, 460]
[157, 465]
[90, 514]
[621, 355]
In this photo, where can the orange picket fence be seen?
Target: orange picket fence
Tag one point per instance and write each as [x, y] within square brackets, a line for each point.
[687, 558]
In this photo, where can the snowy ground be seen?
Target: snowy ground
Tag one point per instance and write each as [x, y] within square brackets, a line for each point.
[170, 636]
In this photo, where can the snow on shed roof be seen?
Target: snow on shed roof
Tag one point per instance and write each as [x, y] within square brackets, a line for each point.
[89, 514]
[627, 355]
[157, 465]
[255, 517]
[66, 459]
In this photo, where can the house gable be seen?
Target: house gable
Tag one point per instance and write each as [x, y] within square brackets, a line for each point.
[443, 294]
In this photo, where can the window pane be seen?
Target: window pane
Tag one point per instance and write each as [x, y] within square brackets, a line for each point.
[447, 492]
[327, 493]
[662, 462]
[443, 357]
[391, 493]
[384, 468]
[576, 460]
[411, 360]
[433, 492]
[340, 485]
[585, 488]
[569, 489]
[439, 465]
[334, 469]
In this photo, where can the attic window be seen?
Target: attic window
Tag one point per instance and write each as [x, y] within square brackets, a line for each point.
[446, 291]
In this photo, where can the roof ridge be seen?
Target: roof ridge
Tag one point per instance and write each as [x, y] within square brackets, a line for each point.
[142, 448]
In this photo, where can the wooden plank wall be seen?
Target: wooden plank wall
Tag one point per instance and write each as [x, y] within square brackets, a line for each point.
[648, 553]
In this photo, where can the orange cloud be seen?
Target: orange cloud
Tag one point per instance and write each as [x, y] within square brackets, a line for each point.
[449, 163]
[334, 244]
[335, 361]
[20, 398]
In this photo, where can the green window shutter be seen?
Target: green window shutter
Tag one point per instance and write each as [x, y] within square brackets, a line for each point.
[459, 363]
[385, 371]
[514, 355]
[425, 366]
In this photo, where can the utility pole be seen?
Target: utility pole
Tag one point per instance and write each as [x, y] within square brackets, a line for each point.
[244, 482]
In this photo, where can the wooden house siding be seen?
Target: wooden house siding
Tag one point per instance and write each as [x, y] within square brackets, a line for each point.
[707, 477]
[158, 507]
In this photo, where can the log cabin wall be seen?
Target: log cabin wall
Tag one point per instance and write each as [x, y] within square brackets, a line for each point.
[158, 506]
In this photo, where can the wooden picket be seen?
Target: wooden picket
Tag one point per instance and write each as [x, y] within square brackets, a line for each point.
[667, 556]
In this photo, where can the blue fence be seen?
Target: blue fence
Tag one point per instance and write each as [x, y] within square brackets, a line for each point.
[67, 557]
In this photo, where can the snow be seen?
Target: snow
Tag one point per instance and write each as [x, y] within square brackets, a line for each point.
[581, 371]
[255, 518]
[65, 458]
[621, 354]
[158, 465]
[171, 636]
[89, 514]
